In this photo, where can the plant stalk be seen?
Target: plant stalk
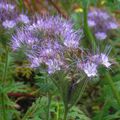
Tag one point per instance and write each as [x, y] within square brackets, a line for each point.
[48, 106]
[5, 69]
[58, 110]
[3, 83]
[3, 107]
[86, 27]
[66, 113]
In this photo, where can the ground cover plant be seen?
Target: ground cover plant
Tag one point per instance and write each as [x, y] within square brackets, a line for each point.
[59, 60]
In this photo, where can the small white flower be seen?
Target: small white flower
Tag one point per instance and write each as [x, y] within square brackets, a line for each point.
[9, 24]
[24, 19]
[112, 25]
[105, 60]
[93, 13]
[71, 43]
[104, 15]
[47, 52]
[9, 7]
[89, 68]
[32, 27]
[95, 58]
[35, 62]
[91, 23]
[53, 65]
[101, 35]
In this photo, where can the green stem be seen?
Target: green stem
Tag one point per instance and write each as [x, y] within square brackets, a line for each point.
[86, 27]
[58, 111]
[48, 106]
[21, 5]
[114, 90]
[5, 69]
[3, 83]
[3, 107]
[65, 113]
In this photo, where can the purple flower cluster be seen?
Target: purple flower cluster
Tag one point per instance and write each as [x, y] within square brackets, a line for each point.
[10, 16]
[46, 41]
[52, 41]
[101, 22]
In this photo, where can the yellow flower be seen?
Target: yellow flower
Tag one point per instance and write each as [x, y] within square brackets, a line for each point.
[78, 10]
[103, 2]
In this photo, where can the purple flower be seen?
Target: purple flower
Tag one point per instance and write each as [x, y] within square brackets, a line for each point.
[105, 60]
[72, 39]
[101, 58]
[8, 24]
[6, 6]
[23, 38]
[7, 11]
[101, 23]
[89, 68]
[35, 60]
[112, 25]
[101, 35]
[91, 62]
[59, 28]
[91, 23]
[54, 65]
[10, 16]
[23, 18]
